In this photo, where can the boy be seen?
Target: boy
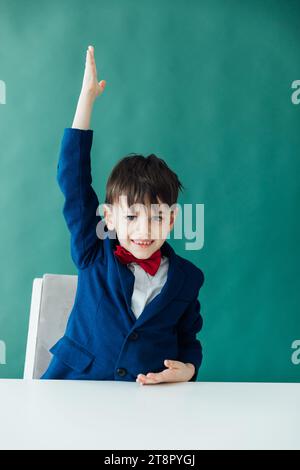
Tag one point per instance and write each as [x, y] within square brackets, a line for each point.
[136, 312]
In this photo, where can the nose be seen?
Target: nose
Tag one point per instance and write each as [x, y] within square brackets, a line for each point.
[144, 227]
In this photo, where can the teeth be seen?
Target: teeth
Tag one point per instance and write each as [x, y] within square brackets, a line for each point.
[142, 243]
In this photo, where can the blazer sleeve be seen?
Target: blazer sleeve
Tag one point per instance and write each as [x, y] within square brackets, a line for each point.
[81, 202]
[189, 324]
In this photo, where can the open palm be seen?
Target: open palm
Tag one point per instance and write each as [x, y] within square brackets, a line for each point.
[90, 83]
[176, 371]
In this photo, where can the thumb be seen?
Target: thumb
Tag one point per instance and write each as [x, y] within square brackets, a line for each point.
[102, 84]
[168, 363]
[173, 364]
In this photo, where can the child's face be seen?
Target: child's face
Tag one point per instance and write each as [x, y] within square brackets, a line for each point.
[150, 224]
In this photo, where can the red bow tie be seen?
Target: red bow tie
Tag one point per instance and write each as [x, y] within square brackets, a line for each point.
[150, 265]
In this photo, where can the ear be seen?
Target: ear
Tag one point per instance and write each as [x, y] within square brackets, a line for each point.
[108, 216]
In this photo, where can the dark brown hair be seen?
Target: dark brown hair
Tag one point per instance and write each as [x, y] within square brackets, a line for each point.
[142, 180]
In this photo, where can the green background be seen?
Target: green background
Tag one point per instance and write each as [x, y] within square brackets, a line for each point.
[206, 85]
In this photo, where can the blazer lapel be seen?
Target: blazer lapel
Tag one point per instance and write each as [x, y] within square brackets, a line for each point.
[127, 282]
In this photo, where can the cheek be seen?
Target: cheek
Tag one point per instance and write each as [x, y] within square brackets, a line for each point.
[164, 229]
[161, 225]
[156, 232]
[130, 228]
[122, 224]
[128, 231]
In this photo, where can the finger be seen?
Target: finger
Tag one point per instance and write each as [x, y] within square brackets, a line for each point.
[90, 60]
[91, 52]
[140, 379]
[148, 379]
[166, 375]
[90, 57]
[173, 364]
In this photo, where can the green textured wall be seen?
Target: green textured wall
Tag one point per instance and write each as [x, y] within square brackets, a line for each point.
[206, 85]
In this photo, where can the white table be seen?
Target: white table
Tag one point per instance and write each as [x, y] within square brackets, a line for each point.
[53, 414]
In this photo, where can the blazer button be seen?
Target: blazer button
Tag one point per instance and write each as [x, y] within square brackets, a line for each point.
[121, 372]
[134, 335]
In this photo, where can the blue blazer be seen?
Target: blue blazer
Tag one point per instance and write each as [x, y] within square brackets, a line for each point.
[103, 339]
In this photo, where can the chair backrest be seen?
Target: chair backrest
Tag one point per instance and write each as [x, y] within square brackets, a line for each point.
[52, 300]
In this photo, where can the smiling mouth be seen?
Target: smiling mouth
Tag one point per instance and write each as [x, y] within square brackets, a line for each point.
[142, 243]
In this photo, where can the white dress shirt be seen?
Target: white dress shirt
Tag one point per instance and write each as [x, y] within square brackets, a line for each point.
[146, 287]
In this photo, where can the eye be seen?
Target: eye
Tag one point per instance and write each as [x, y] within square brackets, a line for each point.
[128, 217]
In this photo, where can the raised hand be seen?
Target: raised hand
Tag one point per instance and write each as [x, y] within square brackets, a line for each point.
[176, 372]
[90, 84]
[90, 89]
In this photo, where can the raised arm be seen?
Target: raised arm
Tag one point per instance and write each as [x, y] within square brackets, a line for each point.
[74, 172]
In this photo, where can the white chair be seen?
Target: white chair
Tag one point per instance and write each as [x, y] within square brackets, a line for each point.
[52, 300]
